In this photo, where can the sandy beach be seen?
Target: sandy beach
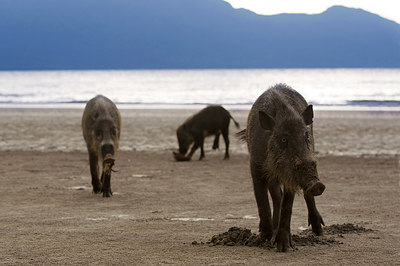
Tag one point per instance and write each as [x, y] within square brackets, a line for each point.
[165, 212]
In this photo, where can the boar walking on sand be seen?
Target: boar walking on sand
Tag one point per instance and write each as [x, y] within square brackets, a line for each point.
[212, 120]
[280, 141]
[101, 126]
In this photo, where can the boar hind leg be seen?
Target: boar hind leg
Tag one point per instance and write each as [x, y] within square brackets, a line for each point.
[225, 134]
[283, 238]
[201, 144]
[264, 210]
[314, 218]
[216, 141]
[94, 171]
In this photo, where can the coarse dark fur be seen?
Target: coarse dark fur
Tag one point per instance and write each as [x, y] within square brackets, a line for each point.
[101, 127]
[280, 141]
[212, 120]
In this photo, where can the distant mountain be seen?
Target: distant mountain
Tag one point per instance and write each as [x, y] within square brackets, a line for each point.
[160, 34]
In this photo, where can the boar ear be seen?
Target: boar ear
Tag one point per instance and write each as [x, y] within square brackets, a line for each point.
[266, 121]
[308, 115]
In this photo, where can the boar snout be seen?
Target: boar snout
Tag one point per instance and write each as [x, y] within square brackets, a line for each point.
[107, 149]
[307, 177]
[316, 188]
[180, 157]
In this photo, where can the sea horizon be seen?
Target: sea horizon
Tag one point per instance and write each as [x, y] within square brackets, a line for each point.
[346, 89]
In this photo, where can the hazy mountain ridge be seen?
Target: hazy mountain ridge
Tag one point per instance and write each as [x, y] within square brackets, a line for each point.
[148, 34]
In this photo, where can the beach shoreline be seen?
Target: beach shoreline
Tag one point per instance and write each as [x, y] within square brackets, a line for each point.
[353, 133]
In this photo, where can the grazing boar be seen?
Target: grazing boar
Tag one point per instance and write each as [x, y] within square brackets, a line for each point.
[101, 127]
[212, 120]
[280, 141]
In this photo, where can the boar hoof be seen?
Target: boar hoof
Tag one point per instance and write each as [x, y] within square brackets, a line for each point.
[265, 236]
[315, 189]
[107, 193]
[316, 221]
[97, 188]
[283, 242]
[317, 229]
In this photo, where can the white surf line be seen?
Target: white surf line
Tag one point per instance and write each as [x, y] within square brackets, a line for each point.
[97, 219]
[193, 219]
[80, 188]
[68, 217]
[142, 176]
[249, 217]
[187, 219]
[120, 215]
[108, 217]
[183, 219]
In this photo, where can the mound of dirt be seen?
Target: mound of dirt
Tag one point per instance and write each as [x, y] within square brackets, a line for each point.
[237, 236]
[347, 228]
[339, 229]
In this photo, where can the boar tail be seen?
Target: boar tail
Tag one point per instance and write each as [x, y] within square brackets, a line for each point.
[241, 135]
[234, 121]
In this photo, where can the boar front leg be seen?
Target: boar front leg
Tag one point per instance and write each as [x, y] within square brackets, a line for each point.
[194, 148]
[314, 218]
[276, 195]
[94, 171]
[264, 210]
[216, 141]
[106, 180]
[283, 238]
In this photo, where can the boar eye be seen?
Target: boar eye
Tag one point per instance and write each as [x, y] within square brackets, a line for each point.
[283, 141]
[98, 133]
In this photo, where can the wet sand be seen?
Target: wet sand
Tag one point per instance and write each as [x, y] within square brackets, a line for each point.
[336, 133]
[160, 207]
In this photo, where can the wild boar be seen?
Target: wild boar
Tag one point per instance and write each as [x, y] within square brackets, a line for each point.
[101, 127]
[280, 141]
[212, 120]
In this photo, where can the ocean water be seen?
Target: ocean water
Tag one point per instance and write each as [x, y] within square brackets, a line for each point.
[338, 89]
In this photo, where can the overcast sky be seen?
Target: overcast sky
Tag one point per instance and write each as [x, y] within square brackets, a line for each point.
[389, 9]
